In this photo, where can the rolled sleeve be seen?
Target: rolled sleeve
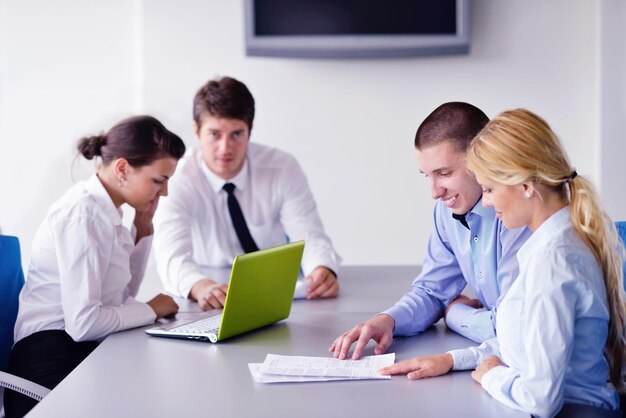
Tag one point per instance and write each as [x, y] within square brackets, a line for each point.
[474, 324]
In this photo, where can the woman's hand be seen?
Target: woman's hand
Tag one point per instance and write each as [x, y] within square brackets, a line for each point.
[488, 364]
[421, 367]
[163, 305]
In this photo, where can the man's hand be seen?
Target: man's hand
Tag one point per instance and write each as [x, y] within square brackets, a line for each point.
[421, 367]
[163, 305]
[474, 303]
[208, 294]
[378, 328]
[488, 364]
[323, 284]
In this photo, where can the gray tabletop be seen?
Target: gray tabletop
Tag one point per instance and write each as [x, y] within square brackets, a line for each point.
[133, 375]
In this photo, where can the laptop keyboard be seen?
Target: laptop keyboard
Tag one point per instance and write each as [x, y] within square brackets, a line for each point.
[206, 325]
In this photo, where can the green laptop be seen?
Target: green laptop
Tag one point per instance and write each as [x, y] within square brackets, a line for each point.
[260, 292]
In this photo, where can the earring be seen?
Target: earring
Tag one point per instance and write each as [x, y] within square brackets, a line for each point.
[527, 194]
[120, 183]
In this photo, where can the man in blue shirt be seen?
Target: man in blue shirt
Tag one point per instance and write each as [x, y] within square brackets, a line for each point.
[468, 246]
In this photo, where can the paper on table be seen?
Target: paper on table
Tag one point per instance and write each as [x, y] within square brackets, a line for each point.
[364, 368]
[279, 378]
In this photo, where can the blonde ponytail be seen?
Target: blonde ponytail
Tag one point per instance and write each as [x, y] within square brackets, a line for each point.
[518, 146]
[598, 232]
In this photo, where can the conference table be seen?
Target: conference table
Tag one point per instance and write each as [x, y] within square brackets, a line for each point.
[134, 375]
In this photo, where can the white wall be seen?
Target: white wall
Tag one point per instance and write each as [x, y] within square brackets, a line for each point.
[612, 106]
[351, 123]
[70, 68]
[66, 70]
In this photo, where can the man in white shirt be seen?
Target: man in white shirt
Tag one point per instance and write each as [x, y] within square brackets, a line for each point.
[230, 196]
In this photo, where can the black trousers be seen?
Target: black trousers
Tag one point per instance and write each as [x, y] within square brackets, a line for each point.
[45, 357]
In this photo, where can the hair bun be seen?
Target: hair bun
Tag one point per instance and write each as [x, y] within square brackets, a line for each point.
[91, 146]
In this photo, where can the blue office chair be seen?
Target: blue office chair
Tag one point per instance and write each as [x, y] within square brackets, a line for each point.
[621, 231]
[11, 282]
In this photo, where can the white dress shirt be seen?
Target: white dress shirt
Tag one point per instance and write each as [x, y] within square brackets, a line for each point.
[194, 232]
[551, 327]
[85, 269]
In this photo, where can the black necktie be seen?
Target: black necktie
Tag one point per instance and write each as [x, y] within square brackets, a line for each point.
[243, 233]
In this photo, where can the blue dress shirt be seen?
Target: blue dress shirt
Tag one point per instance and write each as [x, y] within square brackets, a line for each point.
[552, 328]
[482, 257]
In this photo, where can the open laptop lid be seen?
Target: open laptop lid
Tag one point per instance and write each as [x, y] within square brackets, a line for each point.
[261, 288]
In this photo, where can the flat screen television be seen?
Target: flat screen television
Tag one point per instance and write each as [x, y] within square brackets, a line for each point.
[356, 28]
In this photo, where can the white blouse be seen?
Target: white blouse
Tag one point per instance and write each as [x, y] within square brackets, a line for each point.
[85, 269]
[551, 328]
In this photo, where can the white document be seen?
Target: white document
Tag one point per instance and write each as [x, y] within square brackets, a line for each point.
[326, 367]
[279, 378]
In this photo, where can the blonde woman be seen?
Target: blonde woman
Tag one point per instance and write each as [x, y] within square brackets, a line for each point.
[560, 327]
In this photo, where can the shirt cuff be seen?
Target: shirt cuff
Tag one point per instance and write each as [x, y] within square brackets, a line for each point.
[136, 314]
[490, 380]
[185, 284]
[309, 265]
[396, 315]
[464, 359]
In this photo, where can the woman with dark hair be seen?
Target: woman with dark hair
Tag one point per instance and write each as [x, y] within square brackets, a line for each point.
[86, 267]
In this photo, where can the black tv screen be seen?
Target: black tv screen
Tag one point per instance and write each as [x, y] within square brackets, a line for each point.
[356, 28]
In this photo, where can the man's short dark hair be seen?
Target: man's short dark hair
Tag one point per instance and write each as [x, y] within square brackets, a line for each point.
[226, 98]
[456, 122]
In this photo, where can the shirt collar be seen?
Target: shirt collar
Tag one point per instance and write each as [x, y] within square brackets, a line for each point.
[548, 229]
[478, 209]
[216, 182]
[95, 188]
[461, 218]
